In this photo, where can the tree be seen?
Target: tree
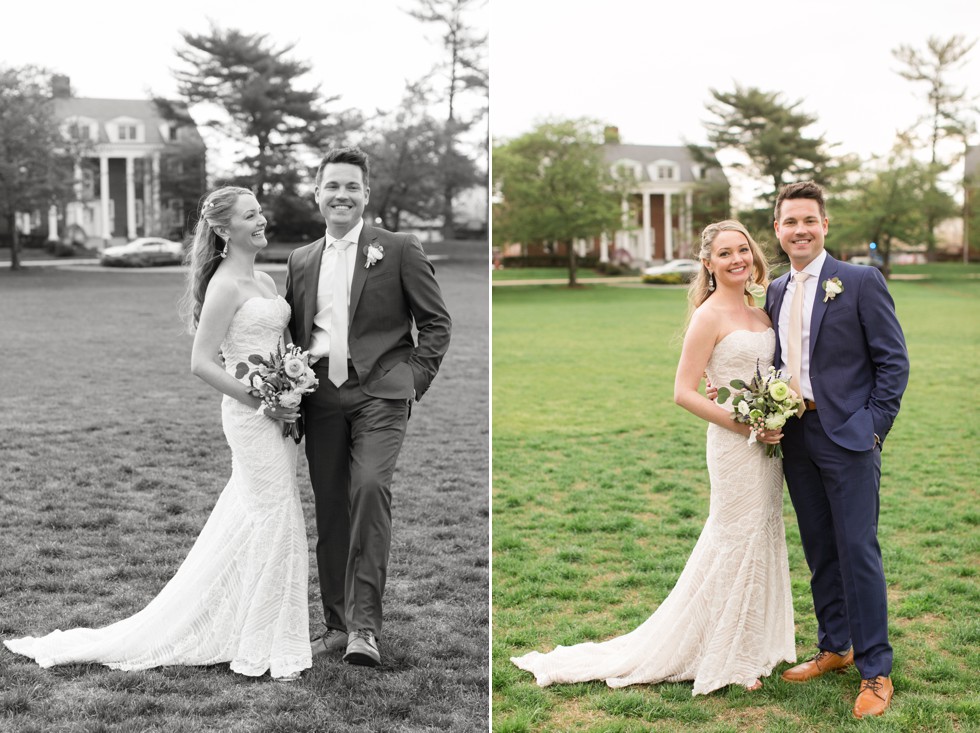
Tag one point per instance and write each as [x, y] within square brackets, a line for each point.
[406, 149]
[256, 85]
[35, 157]
[770, 134]
[890, 201]
[466, 71]
[951, 110]
[553, 185]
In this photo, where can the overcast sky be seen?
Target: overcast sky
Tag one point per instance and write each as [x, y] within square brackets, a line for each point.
[363, 50]
[647, 67]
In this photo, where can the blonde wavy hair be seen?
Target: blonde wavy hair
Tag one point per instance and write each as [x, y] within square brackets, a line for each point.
[204, 253]
[699, 290]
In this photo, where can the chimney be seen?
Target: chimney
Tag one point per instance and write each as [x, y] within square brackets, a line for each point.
[60, 86]
[611, 135]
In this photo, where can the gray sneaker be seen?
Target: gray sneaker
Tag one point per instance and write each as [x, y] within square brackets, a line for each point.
[362, 649]
[333, 640]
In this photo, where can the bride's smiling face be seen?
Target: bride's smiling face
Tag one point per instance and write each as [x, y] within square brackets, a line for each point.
[246, 228]
[731, 259]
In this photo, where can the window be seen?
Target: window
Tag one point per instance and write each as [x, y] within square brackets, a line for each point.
[127, 132]
[665, 172]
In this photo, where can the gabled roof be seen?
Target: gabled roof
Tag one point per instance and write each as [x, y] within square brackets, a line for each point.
[143, 110]
[647, 154]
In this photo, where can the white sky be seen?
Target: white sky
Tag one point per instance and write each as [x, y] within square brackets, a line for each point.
[647, 67]
[363, 50]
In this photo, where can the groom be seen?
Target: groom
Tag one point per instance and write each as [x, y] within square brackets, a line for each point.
[355, 295]
[839, 339]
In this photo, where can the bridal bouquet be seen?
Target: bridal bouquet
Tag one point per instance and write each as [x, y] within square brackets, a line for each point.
[280, 380]
[766, 402]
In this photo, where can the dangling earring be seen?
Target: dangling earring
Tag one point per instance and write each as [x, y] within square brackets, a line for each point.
[711, 282]
[224, 252]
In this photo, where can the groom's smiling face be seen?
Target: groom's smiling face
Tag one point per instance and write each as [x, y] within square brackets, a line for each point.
[801, 230]
[341, 196]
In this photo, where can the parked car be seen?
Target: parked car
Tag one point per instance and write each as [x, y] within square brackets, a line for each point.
[686, 268]
[143, 252]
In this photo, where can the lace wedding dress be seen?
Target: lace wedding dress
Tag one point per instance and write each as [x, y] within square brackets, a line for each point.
[240, 596]
[729, 618]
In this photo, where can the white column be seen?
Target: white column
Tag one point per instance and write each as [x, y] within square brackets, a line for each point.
[689, 226]
[155, 195]
[52, 223]
[130, 199]
[604, 248]
[647, 250]
[104, 198]
[622, 236]
[668, 229]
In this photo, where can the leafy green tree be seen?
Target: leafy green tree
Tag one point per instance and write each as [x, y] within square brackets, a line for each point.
[951, 110]
[890, 201]
[553, 185]
[770, 134]
[35, 156]
[465, 72]
[257, 86]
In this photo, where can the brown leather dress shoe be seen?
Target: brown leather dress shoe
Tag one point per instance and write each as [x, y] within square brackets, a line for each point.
[874, 697]
[822, 663]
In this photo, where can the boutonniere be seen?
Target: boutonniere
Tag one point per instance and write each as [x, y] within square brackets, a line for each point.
[374, 252]
[832, 287]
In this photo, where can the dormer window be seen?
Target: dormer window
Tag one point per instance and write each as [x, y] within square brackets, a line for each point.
[665, 170]
[125, 129]
[81, 128]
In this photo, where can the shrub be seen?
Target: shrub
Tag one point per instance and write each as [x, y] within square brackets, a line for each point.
[669, 278]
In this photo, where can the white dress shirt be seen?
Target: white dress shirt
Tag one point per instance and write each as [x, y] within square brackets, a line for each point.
[810, 289]
[320, 335]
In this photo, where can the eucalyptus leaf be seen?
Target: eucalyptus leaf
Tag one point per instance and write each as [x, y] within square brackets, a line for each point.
[241, 370]
[723, 394]
[739, 384]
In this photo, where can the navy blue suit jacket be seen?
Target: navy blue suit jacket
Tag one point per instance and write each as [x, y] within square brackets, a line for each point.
[859, 365]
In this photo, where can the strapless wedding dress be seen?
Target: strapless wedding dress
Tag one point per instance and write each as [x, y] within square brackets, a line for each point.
[729, 618]
[240, 596]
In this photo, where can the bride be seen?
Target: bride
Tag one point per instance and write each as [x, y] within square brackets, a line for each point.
[240, 596]
[729, 618]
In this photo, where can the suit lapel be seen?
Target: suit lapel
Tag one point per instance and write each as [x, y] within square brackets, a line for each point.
[311, 281]
[819, 306]
[368, 236]
[778, 289]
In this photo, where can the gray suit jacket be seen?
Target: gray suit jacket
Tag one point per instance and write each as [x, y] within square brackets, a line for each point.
[385, 300]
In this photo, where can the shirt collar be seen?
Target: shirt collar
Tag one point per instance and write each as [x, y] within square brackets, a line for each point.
[814, 268]
[352, 236]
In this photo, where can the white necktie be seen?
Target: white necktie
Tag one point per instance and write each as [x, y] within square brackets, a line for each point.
[337, 366]
[794, 349]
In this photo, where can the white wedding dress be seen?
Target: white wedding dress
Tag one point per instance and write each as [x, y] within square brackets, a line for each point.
[240, 596]
[729, 618]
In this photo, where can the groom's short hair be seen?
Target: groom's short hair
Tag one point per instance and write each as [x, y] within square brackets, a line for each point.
[801, 190]
[351, 155]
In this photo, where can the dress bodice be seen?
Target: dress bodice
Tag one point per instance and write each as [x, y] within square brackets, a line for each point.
[735, 356]
[255, 329]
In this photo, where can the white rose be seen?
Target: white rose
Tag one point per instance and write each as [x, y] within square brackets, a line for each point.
[293, 366]
[774, 422]
[257, 381]
[290, 399]
[743, 407]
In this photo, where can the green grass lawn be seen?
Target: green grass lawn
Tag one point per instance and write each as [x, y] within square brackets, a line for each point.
[111, 458]
[600, 492]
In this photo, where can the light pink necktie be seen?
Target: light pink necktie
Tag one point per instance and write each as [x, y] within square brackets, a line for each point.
[337, 366]
[794, 347]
